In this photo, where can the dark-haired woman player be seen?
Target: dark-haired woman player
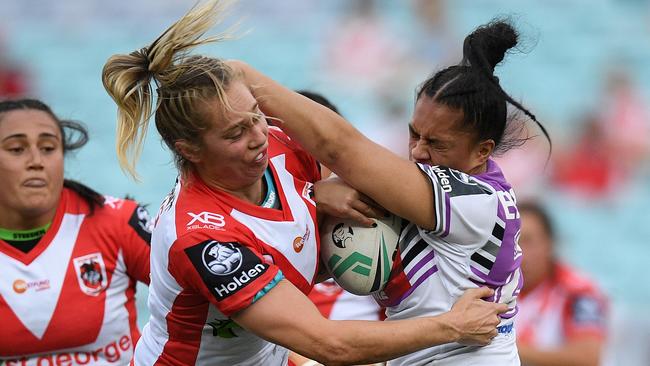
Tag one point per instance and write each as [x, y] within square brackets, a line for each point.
[69, 256]
[464, 222]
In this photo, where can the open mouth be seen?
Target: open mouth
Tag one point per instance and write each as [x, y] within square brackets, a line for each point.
[259, 158]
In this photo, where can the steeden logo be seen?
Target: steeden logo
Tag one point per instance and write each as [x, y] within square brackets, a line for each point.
[342, 235]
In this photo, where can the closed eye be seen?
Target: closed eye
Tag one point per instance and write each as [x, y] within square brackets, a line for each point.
[412, 133]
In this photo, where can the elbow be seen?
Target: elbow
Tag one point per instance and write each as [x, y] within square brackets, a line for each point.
[339, 148]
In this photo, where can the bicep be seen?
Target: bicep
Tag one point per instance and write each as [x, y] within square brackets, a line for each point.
[393, 182]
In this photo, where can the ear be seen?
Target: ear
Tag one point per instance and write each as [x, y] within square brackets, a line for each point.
[484, 150]
[188, 150]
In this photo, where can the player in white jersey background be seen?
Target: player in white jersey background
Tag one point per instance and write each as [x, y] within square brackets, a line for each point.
[235, 245]
[69, 257]
[463, 213]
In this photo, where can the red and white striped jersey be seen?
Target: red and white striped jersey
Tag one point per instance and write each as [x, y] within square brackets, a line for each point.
[337, 304]
[70, 300]
[564, 306]
[214, 254]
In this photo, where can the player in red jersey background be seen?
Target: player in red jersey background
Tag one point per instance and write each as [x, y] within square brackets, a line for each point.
[563, 314]
[69, 257]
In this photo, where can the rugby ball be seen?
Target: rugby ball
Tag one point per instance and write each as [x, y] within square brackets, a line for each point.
[360, 258]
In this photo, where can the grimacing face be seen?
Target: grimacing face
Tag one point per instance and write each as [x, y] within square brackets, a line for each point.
[233, 153]
[436, 139]
[31, 168]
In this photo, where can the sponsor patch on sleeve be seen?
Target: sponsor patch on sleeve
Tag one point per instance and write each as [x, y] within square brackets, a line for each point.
[587, 310]
[453, 182]
[225, 267]
[141, 223]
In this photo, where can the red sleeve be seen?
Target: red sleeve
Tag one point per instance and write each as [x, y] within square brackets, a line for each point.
[136, 241]
[585, 314]
[229, 273]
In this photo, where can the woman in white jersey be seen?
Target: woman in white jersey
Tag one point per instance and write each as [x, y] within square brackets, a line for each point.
[235, 244]
[463, 213]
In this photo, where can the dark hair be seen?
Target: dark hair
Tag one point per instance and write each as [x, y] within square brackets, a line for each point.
[472, 87]
[93, 198]
[536, 209]
[74, 136]
[318, 98]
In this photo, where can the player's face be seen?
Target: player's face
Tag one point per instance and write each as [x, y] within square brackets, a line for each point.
[31, 167]
[233, 154]
[537, 247]
[436, 139]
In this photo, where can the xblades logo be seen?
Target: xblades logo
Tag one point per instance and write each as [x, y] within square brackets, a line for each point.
[206, 220]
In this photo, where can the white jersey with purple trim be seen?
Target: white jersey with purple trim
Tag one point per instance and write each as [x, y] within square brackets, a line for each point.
[474, 243]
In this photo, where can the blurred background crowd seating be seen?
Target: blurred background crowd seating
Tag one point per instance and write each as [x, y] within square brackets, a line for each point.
[583, 70]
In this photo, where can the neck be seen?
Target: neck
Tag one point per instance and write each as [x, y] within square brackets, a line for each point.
[12, 220]
[479, 169]
[532, 282]
[253, 193]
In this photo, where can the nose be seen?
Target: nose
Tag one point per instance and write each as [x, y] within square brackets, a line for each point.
[259, 136]
[35, 158]
[419, 152]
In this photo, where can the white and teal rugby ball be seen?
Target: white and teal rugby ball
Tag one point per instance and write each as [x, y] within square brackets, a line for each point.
[360, 258]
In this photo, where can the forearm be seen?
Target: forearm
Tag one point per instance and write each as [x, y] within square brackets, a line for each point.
[304, 330]
[358, 342]
[314, 126]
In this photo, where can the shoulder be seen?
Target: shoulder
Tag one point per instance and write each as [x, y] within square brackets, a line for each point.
[454, 182]
[195, 222]
[111, 207]
[585, 306]
[295, 159]
[573, 282]
[280, 143]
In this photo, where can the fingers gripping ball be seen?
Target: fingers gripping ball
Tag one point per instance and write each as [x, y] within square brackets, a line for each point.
[360, 258]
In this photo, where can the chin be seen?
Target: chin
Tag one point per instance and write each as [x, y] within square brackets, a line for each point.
[36, 207]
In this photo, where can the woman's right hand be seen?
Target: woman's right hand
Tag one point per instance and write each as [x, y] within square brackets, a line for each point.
[474, 319]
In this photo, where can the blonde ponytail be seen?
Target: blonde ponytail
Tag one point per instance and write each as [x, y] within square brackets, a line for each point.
[127, 78]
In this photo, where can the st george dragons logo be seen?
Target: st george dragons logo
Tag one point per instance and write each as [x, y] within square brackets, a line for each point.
[91, 273]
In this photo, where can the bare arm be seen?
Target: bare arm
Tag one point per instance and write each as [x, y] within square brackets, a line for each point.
[393, 182]
[585, 351]
[301, 328]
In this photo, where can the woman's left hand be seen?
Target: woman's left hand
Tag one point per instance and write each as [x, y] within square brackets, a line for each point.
[335, 198]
